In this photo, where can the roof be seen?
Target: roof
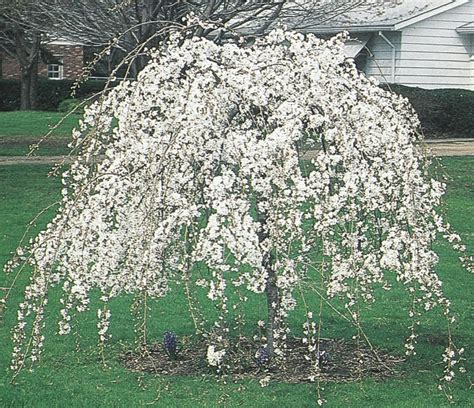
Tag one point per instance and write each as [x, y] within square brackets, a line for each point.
[64, 42]
[403, 14]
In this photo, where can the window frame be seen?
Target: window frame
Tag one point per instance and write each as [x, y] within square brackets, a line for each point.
[55, 71]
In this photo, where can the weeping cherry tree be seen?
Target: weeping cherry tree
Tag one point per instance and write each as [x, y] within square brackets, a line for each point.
[241, 167]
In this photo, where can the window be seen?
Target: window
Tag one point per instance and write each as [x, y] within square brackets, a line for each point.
[361, 60]
[55, 70]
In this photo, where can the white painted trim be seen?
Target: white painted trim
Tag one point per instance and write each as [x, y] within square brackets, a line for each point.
[350, 28]
[59, 69]
[472, 72]
[61, 42]
[466, 28]
[428, 14]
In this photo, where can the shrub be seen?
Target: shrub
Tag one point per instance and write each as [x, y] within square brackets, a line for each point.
[50, 93]
[442, 112]
[72, 104]
[9, 95]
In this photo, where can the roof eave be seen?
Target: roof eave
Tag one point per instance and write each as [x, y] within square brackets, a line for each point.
[427, 14]
[349, 28]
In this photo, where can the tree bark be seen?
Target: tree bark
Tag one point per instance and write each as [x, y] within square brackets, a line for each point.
[27, 53]
[34, 85]
[271, 289]
[25, 86]
[273, 304]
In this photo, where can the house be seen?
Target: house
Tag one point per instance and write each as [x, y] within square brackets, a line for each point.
[422, 43]
[60, 60]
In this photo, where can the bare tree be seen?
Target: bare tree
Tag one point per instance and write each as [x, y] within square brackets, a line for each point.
[21, 41]
[128, 24]
[126, 27]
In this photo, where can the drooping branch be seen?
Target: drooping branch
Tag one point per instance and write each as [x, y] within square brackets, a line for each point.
[201, 184]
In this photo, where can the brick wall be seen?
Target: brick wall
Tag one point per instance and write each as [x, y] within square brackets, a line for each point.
[10, 68]
[73, 61]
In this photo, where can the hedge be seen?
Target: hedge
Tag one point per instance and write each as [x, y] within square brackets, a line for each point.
[50, 93]
[442, 112]
[446, 113]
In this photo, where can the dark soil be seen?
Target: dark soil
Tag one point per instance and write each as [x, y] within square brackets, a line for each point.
[341, 362]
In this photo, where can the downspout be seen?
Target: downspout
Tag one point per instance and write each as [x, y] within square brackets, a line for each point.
[394, 55]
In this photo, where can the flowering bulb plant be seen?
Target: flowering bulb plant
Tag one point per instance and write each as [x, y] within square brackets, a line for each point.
[205, 180]
[170, 344]
[262, 357]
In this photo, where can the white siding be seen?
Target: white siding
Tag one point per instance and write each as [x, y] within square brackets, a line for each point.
[434, 55]
[472, 62]
[380, 65]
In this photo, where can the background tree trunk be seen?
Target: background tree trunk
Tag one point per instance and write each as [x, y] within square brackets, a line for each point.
[27, 54]
[25, 86]
[34, 85]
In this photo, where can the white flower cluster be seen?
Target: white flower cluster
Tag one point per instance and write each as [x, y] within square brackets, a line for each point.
[202, 167]
[215, 357]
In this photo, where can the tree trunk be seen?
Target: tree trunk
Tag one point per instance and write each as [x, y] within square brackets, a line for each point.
[273, 304]
[34, 86]
[25, 85]
[271, 289]
[27, 53]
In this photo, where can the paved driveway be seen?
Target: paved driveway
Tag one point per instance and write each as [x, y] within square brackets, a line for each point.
[439, 147]
[451, 147]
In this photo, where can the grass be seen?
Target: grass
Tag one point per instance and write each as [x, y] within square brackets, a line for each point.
[19, 130]
[71, 373]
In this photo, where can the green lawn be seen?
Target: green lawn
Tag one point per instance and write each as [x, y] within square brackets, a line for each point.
[19, 130]
[71, 374]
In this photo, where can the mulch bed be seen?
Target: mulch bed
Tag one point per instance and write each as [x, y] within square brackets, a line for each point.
[342, 362]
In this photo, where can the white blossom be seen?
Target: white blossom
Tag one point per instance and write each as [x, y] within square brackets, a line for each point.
[215, 357]
[202, 170]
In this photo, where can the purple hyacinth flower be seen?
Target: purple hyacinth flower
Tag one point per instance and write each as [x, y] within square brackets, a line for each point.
[262, 356]
[170, 344]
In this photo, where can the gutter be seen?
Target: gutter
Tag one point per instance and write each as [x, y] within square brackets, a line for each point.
[349, 28]
[394, 55]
